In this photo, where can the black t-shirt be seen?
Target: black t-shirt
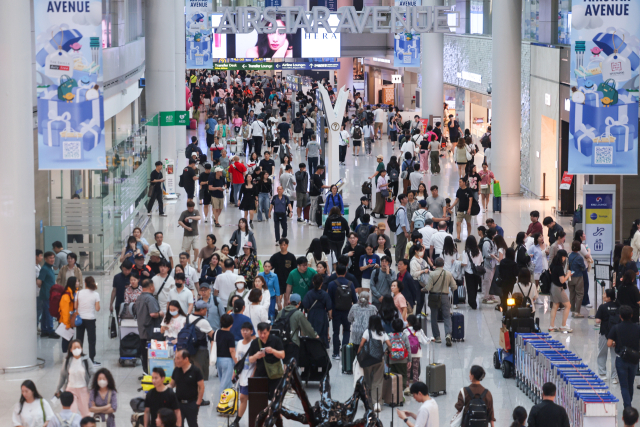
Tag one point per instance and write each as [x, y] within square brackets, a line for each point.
[283, 265]
[316, 185]
[216, 182]
[267, 165]
[284, 130]
[463, 199]
[156, 175]
[187, 383]
[224, 341]
[473, 181]
[557, 271]
[204, 177]
[156, 400]
[189, 182]
[628, 294]
[424, 144]
[625, 334]
[273, 342]
[604, 313]
[283, 106]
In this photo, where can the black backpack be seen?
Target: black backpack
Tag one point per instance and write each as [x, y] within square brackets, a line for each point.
[485, 141]
[363, 231]
[476, 414]
[614, 316]
[221, 111]
[392, 220]
[406, 125]
[282, 328]
[370, 116]
[297, 125]
[545, 282]
[343, 297]
[357, 133]
[183, 177]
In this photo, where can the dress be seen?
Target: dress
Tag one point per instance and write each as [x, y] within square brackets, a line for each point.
[248, 198]
[248, 267]
[318, 316]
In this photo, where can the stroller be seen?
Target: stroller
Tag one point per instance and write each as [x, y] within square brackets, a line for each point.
[129, 337]
[314, 362]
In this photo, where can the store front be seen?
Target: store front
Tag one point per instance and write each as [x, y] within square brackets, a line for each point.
[471, 109]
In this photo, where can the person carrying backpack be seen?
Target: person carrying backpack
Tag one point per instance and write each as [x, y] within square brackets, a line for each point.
[291, 324]
[356, 134]
[399, 352]
[475, 401]
[343, 295]
[607, 316]
[193, 338]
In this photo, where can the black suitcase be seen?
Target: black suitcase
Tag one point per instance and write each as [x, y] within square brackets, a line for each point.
[457, 326]
[313, 360]
[129, 345]
[348, 355]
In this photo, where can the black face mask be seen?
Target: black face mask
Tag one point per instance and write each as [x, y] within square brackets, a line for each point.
[179, 285]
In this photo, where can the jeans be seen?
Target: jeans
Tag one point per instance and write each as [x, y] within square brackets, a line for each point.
[263, 206]
[313, 165]
[585, 279]
[602, 357]
[189, 411]
[272, 307]
[340, 318]
[236, 191]
[313, 209]
[46, 321]
[65, 345]
[342, 153]
[225, 372]
[38, 311]
[446, 315]
[90, 327]
[626, 375]
[280, 220]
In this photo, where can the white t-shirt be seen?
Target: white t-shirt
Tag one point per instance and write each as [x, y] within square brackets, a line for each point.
[378, 115]
[202, 325]
[477, 260]
[344, 137]
[164, 248]
[427, 232]
[376, 336]
[174, 326]
[87, 300]
[225, 284]
[184, 297]
[31, 414]
[259, 107]
[428, 415]
[437, 241]
[381, 182]
[190, 274]
[257, 313]
[415, 178]
[76, 374]
[247, 372]
[163, 298]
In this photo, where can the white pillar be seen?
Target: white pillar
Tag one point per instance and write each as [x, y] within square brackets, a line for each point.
[160, 49]
[17, 217]
[181, 101]
[431, 52]
[506, 114]
[345, 74]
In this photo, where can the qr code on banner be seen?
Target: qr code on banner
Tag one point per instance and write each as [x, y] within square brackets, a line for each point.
[72, 150]
[603, 156]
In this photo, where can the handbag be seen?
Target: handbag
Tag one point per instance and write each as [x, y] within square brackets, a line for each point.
[630, 355]
[358, 372]
[468, 154]
[113, 328]
[75, 318]
[434, 299]
[456, 420]
[150, 190]
[365, 357]
[213, 352]
[384, 192]
[477, 270]
[274, 370]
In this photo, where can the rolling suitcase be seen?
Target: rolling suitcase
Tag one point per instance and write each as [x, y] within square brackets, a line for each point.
[436, 376]
[313, 360]
[457, 326]
[348, 354]
[497, 204]
[319, 216]
[193, 124]
[392, 390]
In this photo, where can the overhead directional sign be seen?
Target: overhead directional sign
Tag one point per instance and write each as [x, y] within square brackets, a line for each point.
[244, 66]
[307, 65]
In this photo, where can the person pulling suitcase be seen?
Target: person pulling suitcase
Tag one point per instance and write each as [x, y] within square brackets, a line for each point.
[440, 281]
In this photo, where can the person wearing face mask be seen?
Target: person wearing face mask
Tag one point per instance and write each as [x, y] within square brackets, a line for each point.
[75, 377]
[181, 294]
[103, 399]
[241, 291]
[173, 321]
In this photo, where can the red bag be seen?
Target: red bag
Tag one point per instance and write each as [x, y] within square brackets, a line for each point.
[55, 294]
[193, 124]
[389, 206]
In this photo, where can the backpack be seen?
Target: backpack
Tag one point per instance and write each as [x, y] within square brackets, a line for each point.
[183, 178]
[526, 301]
[398, 350]
[420, 221]
[405, 173]
[366, 188]
[283, 325]
[343, 297]
[392, 220]
[228, 403]
[363, 231]
[406, 125]
[545, 282]
[370, 116]
[476, 414]
[414, 342]
[357, 133]
[189, 337]
[269, 134]
[614, 316]
[55, 294]
[485, 141]
[393, 174]
[65, 423]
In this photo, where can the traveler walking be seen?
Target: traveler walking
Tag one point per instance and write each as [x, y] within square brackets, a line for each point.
[625, 337]
[188, 383]
[547, 413]
[75, 377]
[156, 179]
[475, 401]
[342, 293]
[370, 358]
[438, 285]
[87, 304]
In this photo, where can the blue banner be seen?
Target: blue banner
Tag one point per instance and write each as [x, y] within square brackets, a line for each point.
[406, 47]
[307, 66]
[605, 56]
[332, 5]
[199, 37]
[70, 85]
[272, 3]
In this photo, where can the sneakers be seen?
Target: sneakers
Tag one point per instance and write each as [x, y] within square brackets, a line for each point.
[603, 377]
[448, 338]
[589, 306]
[455, 307]
[149, 214]
[377, 407]
[457, 240]
[552, 329]
[54, 336]
[614, 381]
[407, 392]
[96, 363]
[205, 403]
[336, 357]
[437, 340]
[163, 215]
[300, 220]
[566, 329]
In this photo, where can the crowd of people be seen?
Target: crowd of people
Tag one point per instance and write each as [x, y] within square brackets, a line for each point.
[361, 283]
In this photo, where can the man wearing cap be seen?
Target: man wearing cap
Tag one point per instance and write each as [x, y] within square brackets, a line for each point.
[279, 204]
[215, 306]
[139, 267]
[189, 221]
[154, 261]
[120, 283]
[299, 327]
[191, 176]
[156, 179]
[204, 329]
[216, 190]
[299, 280]
[316, 187]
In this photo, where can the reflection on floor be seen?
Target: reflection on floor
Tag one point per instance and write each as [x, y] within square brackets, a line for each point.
[482, 325]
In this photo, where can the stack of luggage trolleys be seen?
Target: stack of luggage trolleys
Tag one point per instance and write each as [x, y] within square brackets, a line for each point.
[587, 399]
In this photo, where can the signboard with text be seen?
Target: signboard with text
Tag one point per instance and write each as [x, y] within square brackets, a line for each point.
[566, 181]
[599, 219]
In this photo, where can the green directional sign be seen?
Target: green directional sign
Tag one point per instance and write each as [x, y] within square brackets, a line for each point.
[244, 66]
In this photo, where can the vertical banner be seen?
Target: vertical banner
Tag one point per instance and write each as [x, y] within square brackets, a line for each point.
[70, 85]
[605, 56]
[406, 46]
[599, 213]
[198, 34]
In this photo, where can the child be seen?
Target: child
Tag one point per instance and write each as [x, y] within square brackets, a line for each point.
[607, 312]
[247, 371]
[397, 364]
[416, 337]
[449, 210]
[66, 415]
[226, 351]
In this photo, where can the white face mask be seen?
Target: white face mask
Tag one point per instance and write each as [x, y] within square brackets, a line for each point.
[240, 286]
[76, 352]
[103, 383]
[173, 313]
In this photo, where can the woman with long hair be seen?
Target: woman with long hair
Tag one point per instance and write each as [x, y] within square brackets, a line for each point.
[253, 307]
[75, 377]
[380, 249]
[626, 263]
[328, 249]
[422, 193]
[130, 250]
[103, 399]
[211, 270]
[538, 258]
[32, 409]
[66, 308]
[585, 253]
[460, 155]
[394, 186]
[240, 237]
[173, 321]
[376, 337]
[628, 294]
[634, 240]
[318, 306]
[450, 256]
[260, 283]
[471, 255]
[315, 254]
[247, 264]
[559, 281]
[388, 312]
[87, 304]
[274, 45]
[248, 199]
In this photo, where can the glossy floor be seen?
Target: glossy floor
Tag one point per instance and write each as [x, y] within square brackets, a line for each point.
[482, 325]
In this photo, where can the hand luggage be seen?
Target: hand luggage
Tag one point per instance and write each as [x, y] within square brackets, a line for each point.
[457, 326]
[424, 322]
[313, 360]
[348, 354]
[193, 124]
[392, 390]
[305, 212]
[436, 374]
[497, 204]
[228, 404]
[319, 215]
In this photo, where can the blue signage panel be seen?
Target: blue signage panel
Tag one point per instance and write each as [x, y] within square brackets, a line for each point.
[307, 66]
[272, 3]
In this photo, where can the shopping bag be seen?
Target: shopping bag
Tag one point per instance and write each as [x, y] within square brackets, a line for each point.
[496, 189]
[358, 372]
[113, 327]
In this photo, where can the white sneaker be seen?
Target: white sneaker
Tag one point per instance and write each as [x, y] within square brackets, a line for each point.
[614, 381]
[455, 306]
[603, 377]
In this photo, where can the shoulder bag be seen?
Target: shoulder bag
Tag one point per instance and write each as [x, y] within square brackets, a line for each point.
[478, 270]
[274, 370]
[371, 353]
[434, 299]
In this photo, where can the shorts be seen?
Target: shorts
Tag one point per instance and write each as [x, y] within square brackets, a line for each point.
[206, 198]
[377, 125]
[189, 242]
[217, 203]
[485, 190]
[558, 295]
[244, 390]
[463, 215]
[302, 199]
[357, 142]
[297, 134]
[190, 193]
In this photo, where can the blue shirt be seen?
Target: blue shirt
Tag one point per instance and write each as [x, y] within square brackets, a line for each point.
[499, 230]
[272, 283]
[238, 321]
[48, 278]
[367, 260]
[280, 204]
[536, 257]
[331, 290]
[402, 220]
[214, 313]
[212, 125]
[332, 201]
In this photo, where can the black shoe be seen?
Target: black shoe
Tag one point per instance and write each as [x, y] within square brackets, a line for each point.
[382, 216]
[163, 215]
[44, 334]
[300, 220]
[95, 362]
[54, 336]
[205, 403]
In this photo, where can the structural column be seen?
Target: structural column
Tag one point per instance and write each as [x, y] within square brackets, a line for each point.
[506, 115]
[345, 74]
[160, 47]
[181, 100]
[432, 92]
[17, 205]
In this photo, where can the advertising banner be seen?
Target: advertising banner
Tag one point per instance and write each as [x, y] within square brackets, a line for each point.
[605, 56]
[199, 38]
[406, 50]
[599, 223]
[70, 85]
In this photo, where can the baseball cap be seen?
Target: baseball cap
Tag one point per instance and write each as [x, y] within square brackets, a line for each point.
[295, 298]
[218, 169]
[247, 245]
[423, 203]
[200, 305]
[205, 285]
[382, 226]
[139, 256]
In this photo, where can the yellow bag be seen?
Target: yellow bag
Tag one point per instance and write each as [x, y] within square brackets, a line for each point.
[228, 404]
[147, 385]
